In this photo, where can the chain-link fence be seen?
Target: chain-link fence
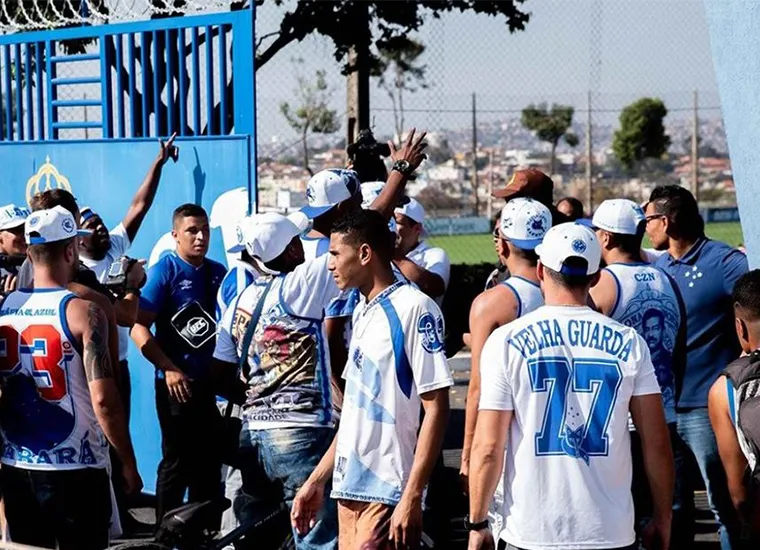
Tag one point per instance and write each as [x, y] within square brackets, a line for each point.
[596, 56]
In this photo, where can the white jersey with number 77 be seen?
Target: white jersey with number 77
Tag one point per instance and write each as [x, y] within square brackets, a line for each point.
[568, 374]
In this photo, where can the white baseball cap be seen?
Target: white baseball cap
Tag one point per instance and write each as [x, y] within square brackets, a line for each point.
[49, 226]
[570, 240]
[524, 222]
[412, 210]
[267, 235]
[247, 231]
[327, 189]
[619, 216]
[12, 216]
[370, 191]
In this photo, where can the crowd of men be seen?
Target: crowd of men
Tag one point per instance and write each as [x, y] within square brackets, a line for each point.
[312, 373]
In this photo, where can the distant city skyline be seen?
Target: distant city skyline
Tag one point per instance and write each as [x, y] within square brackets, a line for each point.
[651, 47]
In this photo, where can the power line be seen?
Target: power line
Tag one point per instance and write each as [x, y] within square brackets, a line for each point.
[515, 111]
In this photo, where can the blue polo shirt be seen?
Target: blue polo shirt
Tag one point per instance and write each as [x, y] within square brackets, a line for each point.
[706, 276]
[173, 284]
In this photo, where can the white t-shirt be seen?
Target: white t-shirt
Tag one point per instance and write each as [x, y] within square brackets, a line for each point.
[240, 275]
[435, 260]
[650, 255]
[568, 373]
[396, 354]
[120, 243]
[288, 360]
[314, 247]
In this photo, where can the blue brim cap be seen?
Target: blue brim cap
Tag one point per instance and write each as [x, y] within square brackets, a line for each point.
[526, 244]
[585, 222]
[313, 212]
[236, 248]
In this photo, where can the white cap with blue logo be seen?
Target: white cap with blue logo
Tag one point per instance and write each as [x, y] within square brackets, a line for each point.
[619, 216]
[524, 222]
[49, 226]
[12, 216]
[570, 240]
[329, 188]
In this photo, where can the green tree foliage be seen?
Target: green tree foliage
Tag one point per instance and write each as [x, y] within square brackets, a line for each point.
[550, 125]
[345, 22]
[311, 114]
[399, 72]
[642, 132]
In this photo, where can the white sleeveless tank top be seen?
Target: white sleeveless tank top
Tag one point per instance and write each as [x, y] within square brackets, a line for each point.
[46, 413]
[528, 293]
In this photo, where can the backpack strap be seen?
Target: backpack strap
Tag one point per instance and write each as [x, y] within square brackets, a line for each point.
[248, 336]
[740, 371]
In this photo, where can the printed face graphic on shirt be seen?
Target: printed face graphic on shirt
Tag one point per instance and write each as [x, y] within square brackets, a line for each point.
[653, 325]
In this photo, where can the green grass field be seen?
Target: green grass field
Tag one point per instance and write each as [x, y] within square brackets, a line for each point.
[475, 249]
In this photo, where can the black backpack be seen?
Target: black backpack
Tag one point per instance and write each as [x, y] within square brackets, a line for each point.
[744, 374]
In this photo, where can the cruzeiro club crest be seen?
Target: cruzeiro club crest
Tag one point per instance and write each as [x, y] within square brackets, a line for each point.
[68, 225]
[578, 246]
[536, 226]
[47, 177]
[431, 330]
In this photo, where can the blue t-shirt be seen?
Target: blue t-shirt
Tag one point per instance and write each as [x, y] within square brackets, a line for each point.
[172, 285]
[706, 276]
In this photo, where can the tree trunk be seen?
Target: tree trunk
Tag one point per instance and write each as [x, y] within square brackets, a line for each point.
[305, 134]
[554, 157]
[476, 209]
[400, 120]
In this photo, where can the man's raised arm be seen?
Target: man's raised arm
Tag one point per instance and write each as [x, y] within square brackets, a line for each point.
[412, 153]
[146, 193]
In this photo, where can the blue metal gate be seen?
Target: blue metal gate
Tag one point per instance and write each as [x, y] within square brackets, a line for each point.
[89, 122]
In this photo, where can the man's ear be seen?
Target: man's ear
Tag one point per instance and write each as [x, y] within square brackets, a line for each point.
[540, 271]
[71, 251]
[365, 254]
[742, 332]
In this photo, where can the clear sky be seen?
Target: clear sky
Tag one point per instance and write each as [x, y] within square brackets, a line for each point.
[618, 49]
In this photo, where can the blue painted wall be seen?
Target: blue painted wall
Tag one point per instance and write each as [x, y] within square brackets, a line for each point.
[105, 175]
[735, 39]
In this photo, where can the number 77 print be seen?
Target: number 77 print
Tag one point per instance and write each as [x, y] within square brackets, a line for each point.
[566, 428]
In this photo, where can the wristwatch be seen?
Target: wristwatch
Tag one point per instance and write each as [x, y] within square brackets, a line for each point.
[403, 166]
[479, 526]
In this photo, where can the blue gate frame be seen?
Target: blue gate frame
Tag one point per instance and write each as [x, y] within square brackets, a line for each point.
[154, 77]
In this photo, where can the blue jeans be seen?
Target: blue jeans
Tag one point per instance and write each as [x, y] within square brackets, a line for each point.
[275, 464]
[696, 437]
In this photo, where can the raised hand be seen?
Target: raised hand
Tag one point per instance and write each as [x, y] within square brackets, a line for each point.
[167, 150]
[412, 151]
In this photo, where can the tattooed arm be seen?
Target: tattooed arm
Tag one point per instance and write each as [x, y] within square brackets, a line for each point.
[88, 320]
[91, 295]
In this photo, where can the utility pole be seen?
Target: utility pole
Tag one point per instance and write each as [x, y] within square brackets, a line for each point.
[589, 157]
[357, 96]
[695, 148]
[489, 199]
[474, 176]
